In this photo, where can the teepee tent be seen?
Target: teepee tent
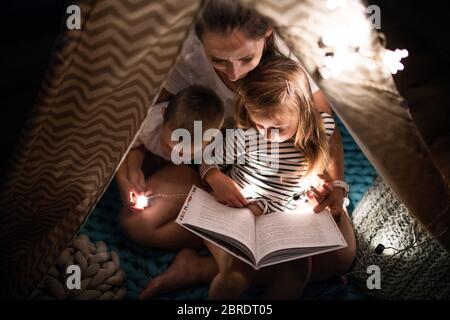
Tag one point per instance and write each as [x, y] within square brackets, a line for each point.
[103, 78]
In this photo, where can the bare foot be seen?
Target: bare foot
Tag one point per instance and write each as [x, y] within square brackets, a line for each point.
[188, 269]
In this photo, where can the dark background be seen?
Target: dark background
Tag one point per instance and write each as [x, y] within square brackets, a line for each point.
[30, 28]
[422, 27]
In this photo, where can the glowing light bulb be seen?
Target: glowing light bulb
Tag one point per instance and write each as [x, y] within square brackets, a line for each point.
[346, 202]
[334, 4]
[325, 72]
[392, 60]
[249, 191]
[341, 60]
[141, 202]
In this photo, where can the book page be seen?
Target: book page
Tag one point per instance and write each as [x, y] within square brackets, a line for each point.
[204, 211]
[300, 229]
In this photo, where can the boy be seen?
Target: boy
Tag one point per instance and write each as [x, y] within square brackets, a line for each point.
[195, 103]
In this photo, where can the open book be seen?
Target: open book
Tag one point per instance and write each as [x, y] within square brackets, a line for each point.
[264, 240]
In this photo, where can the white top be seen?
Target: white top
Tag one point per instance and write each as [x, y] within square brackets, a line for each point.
[193, 67]
[150, 134]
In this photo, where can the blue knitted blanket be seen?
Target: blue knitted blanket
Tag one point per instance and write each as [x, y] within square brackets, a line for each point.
[142, 263]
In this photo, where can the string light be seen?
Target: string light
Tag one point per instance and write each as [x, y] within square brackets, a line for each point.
[141, 201]
[345, 46]
[392, 59]
[381, 250]
[334, 4]
[336, 63]
[341, 49]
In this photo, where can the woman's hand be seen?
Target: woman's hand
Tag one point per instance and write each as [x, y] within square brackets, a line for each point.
[328, 196]
[225, 189]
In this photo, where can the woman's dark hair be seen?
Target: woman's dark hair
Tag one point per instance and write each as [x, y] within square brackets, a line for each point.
[227, 16]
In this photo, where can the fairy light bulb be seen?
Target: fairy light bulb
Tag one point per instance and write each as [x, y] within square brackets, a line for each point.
[392, 59]
[334, 4]
[141, 202]
[249, 191]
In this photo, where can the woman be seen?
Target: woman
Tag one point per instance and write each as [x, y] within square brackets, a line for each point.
[230, 41]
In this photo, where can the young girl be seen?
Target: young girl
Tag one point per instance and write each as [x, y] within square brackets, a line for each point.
[274, 98]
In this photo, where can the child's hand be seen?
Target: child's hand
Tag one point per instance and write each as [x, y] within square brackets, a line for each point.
[225, 189]
[126, 189]
[255, 209]
[129, 191]
[330, 197]
[137, 178]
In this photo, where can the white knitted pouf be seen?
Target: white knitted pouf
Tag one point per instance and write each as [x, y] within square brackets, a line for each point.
[421, 272]
[101, 275]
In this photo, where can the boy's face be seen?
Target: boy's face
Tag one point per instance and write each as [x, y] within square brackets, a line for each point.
[184, 149]
[166, 143]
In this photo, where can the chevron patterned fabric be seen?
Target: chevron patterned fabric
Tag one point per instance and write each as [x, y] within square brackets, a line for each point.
[101, 81]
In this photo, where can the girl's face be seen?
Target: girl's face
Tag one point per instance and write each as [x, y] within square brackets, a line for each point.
[286, 125]
[234, 55]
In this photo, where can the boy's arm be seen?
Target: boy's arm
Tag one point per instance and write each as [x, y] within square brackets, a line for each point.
[136, 155]
[123, 183]
[122, 172]
[134, 167]
[129, 174]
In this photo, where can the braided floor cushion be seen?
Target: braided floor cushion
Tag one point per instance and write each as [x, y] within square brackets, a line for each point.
[101, 275]
[142, 264]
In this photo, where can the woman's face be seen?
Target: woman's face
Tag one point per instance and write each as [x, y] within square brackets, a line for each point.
[234, 55]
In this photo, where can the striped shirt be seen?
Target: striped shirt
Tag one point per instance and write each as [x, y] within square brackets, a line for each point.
[268, 174]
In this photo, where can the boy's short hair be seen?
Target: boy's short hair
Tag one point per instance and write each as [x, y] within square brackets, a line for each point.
[195, 103]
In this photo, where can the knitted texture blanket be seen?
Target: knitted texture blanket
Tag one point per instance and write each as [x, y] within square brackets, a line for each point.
[421, 272]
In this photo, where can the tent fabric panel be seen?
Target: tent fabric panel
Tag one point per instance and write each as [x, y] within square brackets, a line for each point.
[102, 80]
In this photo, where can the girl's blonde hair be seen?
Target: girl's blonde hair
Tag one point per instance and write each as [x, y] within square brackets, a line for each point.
[278, 87]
